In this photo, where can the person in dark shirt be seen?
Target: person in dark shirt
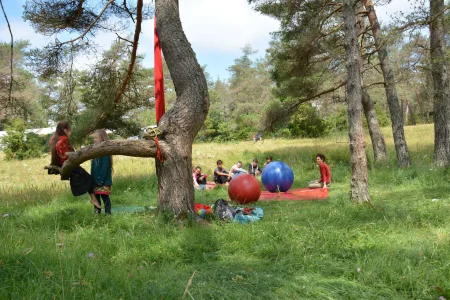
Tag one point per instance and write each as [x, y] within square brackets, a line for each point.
[254, 168]
[220, 174]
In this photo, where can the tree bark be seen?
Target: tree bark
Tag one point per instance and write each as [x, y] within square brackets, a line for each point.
[359, 189]
[441, 85]
[376, 136]
[182, 122]
[117, 147]
[391, 92]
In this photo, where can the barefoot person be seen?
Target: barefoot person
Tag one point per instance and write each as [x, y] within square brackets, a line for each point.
[325, 174]
[80, 180]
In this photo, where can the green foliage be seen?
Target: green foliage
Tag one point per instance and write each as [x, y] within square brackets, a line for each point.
[21, 145]
[307, 123]
[339, 120]
[25, 95]
[331, 249]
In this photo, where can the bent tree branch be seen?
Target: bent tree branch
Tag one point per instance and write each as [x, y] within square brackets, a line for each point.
[141, 148]
[137, 32]
[12, 53]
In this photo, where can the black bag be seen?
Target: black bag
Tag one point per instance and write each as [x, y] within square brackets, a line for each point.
[223, 210]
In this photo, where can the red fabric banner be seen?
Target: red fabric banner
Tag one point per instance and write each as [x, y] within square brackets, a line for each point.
[160, 106]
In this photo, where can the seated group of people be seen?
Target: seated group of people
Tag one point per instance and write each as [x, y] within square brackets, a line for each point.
[222, 176]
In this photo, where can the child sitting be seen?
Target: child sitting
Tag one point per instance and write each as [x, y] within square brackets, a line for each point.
[253, 168]
[268, 161]
[325, 174]
[220, 174]
[81, 182]
[200, 178]
[236, 170]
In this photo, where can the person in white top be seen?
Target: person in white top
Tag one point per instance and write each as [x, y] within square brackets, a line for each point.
[236, 170]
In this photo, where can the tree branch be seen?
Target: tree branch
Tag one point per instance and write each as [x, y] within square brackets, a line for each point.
[124, 39]
[137, 32]
[127, 10]
[90, 26]
[327, 91]
[140, 148]
[12, 54]
[372, 84]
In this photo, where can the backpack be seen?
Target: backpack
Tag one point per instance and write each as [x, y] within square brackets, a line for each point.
[223, 210]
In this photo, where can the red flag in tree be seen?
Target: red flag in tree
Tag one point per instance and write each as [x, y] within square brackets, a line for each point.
[159, 79]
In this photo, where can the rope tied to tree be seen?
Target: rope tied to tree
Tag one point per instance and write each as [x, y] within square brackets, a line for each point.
[153, 133]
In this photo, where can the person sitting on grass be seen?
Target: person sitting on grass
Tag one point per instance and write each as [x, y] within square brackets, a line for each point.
[325, 174]
[81, 182]
[220, 174]
[254, 169]
[268, 161]
[194, 178]
[236, 170]
[200, 178]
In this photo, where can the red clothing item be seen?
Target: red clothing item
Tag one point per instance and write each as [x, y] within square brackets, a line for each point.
[62, 147]
[325, 174]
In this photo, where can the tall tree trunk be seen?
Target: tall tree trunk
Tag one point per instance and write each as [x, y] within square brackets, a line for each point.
[182, 122]
[441, 86]
[359, 189]
[376, 136]
[389, 85]
[378, 144]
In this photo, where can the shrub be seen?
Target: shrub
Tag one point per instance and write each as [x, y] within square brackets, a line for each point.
[21, 145]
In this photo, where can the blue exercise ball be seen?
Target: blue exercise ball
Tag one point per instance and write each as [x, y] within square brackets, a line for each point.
[277, 176]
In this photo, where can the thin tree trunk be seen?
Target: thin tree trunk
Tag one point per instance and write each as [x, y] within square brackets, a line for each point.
[391, 92]
[359, 189]
[406, 115]
[376, 136]
[182, 122]
[441, 85]
[378, 144]
[413, 119]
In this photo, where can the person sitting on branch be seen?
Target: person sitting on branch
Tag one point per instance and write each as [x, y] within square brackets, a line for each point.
[81, 182]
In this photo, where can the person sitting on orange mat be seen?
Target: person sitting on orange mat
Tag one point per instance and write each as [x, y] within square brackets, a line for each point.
[325, 174]
[200, 178]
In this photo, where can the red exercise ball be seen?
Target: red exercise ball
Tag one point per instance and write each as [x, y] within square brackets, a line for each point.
[244, 188]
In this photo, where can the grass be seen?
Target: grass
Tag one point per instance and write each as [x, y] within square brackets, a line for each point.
[53, 247]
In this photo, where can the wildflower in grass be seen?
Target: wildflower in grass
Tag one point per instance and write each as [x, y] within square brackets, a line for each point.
[91, 255]
[5, 215]
[358, 270]
[442, 298]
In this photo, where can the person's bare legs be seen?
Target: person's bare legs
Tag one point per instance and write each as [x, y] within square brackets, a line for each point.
[95, 201]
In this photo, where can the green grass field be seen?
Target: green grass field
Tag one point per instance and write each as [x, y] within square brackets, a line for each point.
[53, 247]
